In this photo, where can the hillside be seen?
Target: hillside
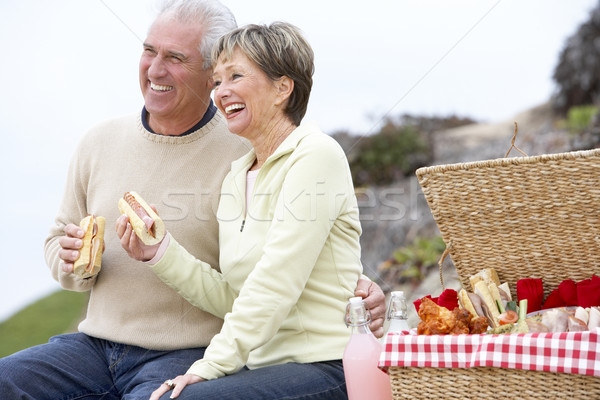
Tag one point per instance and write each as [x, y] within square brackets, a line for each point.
[57, 313]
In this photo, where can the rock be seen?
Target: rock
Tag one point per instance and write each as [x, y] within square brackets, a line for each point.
[393, 216]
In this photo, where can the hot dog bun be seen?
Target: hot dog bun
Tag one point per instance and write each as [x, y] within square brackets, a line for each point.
[132, 205]
[90, 256]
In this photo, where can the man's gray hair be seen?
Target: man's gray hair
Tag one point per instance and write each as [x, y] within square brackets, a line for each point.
[216, 19]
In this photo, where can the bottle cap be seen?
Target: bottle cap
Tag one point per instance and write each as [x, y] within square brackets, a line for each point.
[356, 300]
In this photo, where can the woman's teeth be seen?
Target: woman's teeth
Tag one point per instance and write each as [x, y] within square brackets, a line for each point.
[233, 108]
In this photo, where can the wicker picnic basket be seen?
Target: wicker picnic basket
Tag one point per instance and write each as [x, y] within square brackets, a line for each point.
[526, 217]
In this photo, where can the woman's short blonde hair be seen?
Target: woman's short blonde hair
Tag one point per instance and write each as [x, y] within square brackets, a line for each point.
[279, 50]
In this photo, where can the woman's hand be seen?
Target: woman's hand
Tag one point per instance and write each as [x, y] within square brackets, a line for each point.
[176, 384]
[131, 243]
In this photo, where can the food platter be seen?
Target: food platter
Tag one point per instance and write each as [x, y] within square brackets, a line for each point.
[541, 312]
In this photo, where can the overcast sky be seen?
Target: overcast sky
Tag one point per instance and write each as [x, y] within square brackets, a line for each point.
[69, 64]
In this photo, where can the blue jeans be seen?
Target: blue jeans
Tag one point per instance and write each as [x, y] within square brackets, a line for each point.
[316, 381]
[77, 366]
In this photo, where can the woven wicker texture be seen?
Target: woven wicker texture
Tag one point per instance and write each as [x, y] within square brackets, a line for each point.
[527, 217]
[490, 383]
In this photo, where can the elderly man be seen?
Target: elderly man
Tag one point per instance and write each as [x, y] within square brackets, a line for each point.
[176, 151]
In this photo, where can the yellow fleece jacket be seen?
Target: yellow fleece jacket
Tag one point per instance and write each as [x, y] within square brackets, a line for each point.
[289, 261]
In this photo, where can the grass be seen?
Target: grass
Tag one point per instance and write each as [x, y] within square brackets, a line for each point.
[59, 312]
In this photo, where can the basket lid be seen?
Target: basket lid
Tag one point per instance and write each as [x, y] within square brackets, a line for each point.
[526, 217]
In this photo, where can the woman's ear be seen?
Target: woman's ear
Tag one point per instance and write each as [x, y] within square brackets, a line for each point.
[285, 87]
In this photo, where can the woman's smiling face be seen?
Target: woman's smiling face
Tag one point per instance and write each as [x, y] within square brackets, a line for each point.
[245, 95]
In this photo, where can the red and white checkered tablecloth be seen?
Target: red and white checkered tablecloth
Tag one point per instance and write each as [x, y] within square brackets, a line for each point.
[568, 352]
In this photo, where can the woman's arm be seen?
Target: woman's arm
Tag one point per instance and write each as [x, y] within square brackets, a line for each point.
[194, 280]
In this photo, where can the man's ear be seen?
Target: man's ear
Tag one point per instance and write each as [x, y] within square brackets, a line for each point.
[285, 87]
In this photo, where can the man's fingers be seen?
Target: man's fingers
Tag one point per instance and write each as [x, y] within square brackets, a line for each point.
[67, 267]
[68, 254]
[378, 332]
[378, 310]
[376, 326]
[74, 231]
[70, 243]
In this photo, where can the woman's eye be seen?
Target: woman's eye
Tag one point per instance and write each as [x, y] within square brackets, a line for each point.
[235, 76]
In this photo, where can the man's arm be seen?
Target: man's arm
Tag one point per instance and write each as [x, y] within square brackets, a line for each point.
[62, 245]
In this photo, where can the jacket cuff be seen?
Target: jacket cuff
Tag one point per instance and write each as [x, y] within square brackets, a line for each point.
[204, 371]
[161, 250]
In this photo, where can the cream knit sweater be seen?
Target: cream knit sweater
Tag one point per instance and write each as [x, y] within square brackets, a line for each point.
[182, 177]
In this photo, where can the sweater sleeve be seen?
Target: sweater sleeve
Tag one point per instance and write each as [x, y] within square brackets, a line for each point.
[73, 209]
[196, 281]
[314, 195]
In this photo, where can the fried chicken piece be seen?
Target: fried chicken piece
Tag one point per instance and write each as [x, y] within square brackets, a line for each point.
[463, 319]
[478, 325]
[435, 320]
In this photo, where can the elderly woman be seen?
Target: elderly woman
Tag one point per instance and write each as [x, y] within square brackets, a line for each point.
[289, 235]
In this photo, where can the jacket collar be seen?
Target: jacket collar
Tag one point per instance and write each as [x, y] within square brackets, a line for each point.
[243, 164]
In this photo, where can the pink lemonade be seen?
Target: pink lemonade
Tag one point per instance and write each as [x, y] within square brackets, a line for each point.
[364, 379]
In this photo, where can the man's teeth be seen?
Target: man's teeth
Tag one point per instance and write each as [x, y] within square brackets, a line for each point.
[160, 88]
[234, 107]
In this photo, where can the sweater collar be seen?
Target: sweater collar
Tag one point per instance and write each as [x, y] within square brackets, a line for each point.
[208, 115]
[217, 120]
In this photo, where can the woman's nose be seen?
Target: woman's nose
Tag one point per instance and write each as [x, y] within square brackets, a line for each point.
[221, 91]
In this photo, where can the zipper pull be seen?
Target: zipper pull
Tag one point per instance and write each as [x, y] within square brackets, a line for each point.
[243, 223]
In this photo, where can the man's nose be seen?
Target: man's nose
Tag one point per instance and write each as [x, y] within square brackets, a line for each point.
[157, 68]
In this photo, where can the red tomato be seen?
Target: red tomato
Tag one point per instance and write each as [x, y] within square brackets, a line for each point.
[508, 317]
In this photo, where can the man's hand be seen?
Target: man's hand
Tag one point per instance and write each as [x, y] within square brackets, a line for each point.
[70, 245]
[375, 300]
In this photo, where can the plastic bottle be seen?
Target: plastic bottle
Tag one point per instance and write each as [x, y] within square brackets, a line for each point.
[397, 314]
[364, 379]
